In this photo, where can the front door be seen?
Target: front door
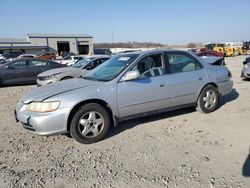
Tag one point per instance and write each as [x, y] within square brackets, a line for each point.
[15, 73]
[147, 93]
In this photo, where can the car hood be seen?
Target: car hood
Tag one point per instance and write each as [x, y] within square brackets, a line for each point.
[45, 92]
[59, 71]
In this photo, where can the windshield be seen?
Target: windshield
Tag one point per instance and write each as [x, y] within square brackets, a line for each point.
[111, 68]
[82, 62]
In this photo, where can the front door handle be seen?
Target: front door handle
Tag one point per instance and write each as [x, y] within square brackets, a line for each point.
[201, 78]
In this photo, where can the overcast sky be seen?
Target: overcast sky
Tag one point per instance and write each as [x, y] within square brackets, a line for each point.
[164, 21]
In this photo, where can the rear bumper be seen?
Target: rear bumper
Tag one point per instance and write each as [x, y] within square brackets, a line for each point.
[225, 87]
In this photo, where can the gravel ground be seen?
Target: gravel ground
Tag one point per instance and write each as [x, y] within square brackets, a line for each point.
[183, 148]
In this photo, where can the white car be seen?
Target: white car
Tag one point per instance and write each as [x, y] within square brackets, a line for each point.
[70, 60]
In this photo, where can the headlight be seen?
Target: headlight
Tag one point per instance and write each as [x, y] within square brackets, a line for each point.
[42, 106]
[246, 66]
[53, 76]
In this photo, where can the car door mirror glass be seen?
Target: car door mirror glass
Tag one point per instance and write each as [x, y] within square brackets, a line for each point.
[131, 75]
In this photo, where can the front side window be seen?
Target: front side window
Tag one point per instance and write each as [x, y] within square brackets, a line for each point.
[150, 66]
[181, 63]
[111, 68]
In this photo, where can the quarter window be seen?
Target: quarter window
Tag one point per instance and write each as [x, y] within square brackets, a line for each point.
[182, 63]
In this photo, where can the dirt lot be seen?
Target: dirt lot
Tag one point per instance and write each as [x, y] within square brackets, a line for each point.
[183, 148]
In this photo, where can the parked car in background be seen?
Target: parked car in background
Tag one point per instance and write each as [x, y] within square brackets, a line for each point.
[2, 57]
[26, 56]
[69, 60]
[80, 68]
[193, 50]
[24, 71]
[46, 55]
[2, 61]
[126, 86]
[67, 54]
[102, 51]
[209, 53]
[11, 55]
[245, 73]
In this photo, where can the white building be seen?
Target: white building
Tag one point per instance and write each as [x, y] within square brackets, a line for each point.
[57, 43]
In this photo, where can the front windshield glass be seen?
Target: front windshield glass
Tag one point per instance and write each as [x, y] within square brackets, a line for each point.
[82, 62]
[111, 68]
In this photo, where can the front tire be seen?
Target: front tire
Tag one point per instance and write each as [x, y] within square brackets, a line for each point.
[90, 123]
[208, 100]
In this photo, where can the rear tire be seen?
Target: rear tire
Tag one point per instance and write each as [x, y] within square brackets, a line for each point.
[90, 123]
[208, 100]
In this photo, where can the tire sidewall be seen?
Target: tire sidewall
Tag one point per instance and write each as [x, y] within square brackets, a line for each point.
[74, 131]
[200, 100]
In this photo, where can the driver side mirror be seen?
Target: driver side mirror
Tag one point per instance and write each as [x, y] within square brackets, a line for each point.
[244, 62]
[131, 75]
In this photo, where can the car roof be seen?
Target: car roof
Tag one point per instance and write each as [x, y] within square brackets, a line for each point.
[27, 55]
[145, 52]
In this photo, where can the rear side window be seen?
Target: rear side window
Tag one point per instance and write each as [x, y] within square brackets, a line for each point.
[49, 63]
[34, 63]
[181, 62]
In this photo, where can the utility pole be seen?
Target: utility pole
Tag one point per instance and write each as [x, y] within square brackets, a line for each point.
[112, 36]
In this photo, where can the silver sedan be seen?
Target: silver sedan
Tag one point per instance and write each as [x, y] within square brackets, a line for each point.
[126, 86]
[80, 68]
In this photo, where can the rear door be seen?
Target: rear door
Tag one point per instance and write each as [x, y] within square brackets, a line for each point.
[187, 77]
[15, 73]
[47, 65]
